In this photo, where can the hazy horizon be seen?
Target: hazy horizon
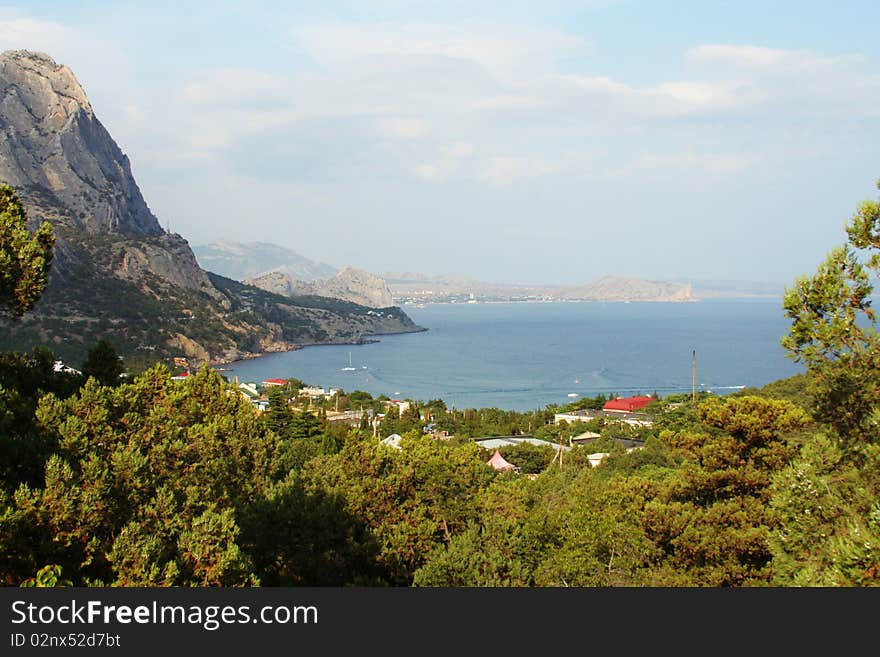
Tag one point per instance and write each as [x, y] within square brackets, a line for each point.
[504, 142]
[705, 283]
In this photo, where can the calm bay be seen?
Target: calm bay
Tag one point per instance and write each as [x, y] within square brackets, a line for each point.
[523, 356]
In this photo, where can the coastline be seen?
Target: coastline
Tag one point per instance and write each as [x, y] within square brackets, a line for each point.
[740, 297]
[367, 338]
[522, 356]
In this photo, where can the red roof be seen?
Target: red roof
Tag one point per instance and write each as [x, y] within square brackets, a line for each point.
[278, 381]
[627, 404]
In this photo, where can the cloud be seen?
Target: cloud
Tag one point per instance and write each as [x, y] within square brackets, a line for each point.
[801, 84]
[450, 162]
[19, 31]
[712, 163]
[400, 127]
[502, 49]
[760, 58]
[238, 87]
[507, 170]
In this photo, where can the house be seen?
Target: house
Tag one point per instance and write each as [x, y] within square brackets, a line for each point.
[496, 442]
[632, 419]
[59, 366]
[596, 458]
[180, 377]
[584, 437]
[317, 393]
[312, 392]
[352, 418]
[249, 391]
[268, 383]
[628, 444]
[402, 406]
[392, 441]
[500, 464]
[627, 404]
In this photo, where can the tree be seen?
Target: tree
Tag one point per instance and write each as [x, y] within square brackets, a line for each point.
[279, 417]
[833, 330]
[826, 500]
[154, 483]
[24, 257]
[103, 363]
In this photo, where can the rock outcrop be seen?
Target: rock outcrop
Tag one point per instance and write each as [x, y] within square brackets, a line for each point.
[350, 284]
[57, 153]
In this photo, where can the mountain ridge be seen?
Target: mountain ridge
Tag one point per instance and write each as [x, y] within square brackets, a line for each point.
[116, 273]
[241, 260]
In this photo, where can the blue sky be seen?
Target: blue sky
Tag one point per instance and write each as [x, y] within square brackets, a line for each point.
[520, 142]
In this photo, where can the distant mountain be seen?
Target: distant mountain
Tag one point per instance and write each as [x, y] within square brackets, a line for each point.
[350, 284]
[410, 287]
[621, 288]
[240, 261]
[116, 273]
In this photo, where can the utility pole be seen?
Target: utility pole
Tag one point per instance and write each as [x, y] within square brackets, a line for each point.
[694, 377]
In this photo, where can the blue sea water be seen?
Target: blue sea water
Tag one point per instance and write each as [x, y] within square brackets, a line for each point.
[523, 356]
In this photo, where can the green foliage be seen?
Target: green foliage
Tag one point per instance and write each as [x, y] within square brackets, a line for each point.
[531, 459]
[828, 515]
[104, 364]
[834, 334]
[279, 416]
[48, 576]
[709, 519]
[411, 499]
[25, 258]
[498, 547]
[24, 448]
[157, 482]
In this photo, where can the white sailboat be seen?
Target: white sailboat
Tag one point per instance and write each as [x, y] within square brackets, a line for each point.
[350, 368]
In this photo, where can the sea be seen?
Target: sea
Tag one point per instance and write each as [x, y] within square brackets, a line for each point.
[526, 355]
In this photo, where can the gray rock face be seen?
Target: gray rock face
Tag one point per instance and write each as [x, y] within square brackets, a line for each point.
[56, 152]
[167, 256]
[350, 284]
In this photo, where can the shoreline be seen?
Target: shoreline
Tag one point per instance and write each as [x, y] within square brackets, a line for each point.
[363, 340]
[753, 297]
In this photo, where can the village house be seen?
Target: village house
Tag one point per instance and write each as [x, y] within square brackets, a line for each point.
[59, 366]
[627, 404]
[317, 393]
[632, 419]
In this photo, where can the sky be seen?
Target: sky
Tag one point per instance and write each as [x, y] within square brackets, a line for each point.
[549, 142]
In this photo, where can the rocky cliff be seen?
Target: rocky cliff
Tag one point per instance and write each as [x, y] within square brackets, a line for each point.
[56, 152]
[350, 284]
[116, 273]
